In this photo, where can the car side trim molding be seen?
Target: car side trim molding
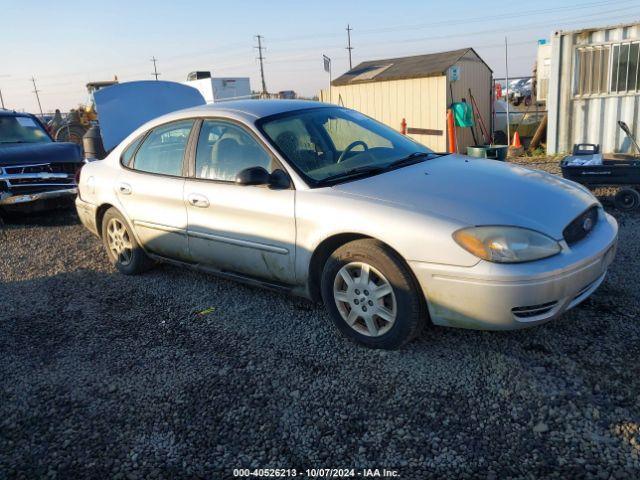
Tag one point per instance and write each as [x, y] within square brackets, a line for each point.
[239, 242]
[157, 226]
[298, 290]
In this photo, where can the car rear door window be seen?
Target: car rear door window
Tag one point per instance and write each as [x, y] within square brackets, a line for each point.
[225, 149]
[127, 155]
[163, 150]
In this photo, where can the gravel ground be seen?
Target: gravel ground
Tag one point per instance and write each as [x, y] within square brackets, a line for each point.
[107, 376]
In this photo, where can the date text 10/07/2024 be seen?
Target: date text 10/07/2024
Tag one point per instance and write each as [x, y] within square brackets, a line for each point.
[316, 472]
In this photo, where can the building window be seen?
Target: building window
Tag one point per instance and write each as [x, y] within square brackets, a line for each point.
[608, 69]
[624, 68]
[593, 70]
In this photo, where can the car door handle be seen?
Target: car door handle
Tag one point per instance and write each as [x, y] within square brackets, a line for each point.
[198, 200]
[124, 188]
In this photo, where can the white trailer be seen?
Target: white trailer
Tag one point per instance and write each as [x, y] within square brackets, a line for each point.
[222, 88]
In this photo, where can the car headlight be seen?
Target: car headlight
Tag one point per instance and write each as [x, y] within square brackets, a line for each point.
[506, 244]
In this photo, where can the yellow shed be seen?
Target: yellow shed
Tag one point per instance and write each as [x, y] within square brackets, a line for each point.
[418, 89]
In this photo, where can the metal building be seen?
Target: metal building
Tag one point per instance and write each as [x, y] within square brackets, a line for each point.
[594, 82]
[418, 89]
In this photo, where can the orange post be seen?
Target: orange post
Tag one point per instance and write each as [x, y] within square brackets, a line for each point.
[451, 131]
[403, 126]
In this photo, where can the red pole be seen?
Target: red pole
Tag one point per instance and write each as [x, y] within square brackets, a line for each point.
[403, 127]
[451, 131]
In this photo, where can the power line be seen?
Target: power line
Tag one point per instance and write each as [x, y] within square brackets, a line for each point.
[261, 58]
[518, 14]
[517, 28]
[602, 17]
[458, 21]
[448, 23]
[349, 47]
[35, 90]
[155, 69]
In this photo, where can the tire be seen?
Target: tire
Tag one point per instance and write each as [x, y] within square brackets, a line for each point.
[135, 261]
[627, 199]
[387, 272]
[71, 133]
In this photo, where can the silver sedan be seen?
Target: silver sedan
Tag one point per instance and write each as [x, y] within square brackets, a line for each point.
[329, 204]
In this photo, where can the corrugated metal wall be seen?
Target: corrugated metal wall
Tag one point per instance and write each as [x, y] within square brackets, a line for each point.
[592, 119]
[422, 102]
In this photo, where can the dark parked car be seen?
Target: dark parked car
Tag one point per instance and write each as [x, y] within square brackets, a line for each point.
[35, 171]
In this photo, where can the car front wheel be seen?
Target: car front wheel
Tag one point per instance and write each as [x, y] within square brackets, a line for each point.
[371, 295]
[122, 248]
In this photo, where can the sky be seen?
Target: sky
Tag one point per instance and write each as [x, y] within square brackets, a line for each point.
[66, 44]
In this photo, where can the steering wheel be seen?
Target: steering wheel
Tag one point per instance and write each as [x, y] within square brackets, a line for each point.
[350, 147]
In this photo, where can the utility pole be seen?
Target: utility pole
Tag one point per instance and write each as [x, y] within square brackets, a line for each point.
[349, 47]
[155, 69]
[506, 69]
[261, 58]
[1, 98]
[35, 90]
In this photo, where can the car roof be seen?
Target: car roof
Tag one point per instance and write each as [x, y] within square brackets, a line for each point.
[254, 108]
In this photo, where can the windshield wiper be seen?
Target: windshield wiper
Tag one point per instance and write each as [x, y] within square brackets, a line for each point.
[354, 172]
[414, 157]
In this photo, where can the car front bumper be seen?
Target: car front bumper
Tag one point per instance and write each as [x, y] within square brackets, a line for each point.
[14, 200]
[492, 296]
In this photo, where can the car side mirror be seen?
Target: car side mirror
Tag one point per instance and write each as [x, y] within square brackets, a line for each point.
[279, 180]
[253, 176]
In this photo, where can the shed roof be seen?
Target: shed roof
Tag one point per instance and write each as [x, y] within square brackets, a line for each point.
[417, 66]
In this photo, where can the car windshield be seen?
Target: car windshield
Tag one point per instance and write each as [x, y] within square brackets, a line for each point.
[17, 129]
[328, 145]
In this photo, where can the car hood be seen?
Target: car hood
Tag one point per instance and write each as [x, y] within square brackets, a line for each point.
[479, 192]
[53, 152]
[124, 107]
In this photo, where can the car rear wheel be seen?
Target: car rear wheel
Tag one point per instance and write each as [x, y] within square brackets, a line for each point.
[122, 248]
[627, 199]
[371, 295]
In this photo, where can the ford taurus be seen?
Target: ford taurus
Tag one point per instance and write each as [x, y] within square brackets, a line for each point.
[327, 203]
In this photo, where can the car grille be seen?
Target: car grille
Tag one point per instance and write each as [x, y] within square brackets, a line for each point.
[69, 167]
[38, 177]
[581, 226]
[533, 310]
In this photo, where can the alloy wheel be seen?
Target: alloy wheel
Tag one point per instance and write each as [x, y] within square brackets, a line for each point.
[365, 299]
[119, 241]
